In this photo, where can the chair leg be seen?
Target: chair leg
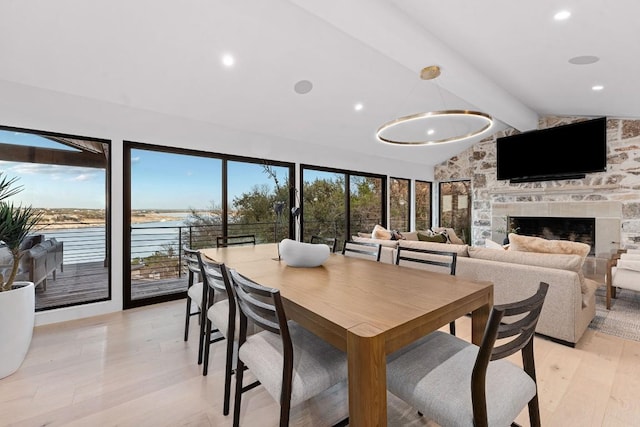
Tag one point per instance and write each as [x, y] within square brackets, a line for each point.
[186, 320]
[227, 375]
[452, 328]
[238, 396]
[609, 292]
[534, 412]
[205, 369]
[285, 408]
[203, 338]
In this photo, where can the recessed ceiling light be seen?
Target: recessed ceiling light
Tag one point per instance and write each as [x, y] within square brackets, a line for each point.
[431, 132]
[358, 106]
[228, 60]
[597, 87]
[562, 15]
[584, 60]
[303, 86]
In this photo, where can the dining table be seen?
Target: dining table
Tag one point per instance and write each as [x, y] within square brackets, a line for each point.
[366, 308]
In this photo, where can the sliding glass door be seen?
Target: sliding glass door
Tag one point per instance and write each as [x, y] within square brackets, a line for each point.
[179, 198]
[66, 178]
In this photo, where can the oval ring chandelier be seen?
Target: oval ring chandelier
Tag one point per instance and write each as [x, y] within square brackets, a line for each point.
[455, 125]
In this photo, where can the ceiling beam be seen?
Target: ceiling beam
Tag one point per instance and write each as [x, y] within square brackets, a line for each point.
[384, 27]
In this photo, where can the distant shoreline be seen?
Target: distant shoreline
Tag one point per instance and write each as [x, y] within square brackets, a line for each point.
[48, 223]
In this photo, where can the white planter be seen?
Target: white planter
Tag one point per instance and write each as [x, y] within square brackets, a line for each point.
[17, 317]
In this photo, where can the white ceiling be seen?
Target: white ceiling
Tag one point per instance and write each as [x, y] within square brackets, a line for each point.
[503, 57]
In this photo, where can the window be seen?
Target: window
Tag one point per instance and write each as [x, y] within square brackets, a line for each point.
[258, 200]
[67, 178]
[455, 204]
[339, 204]
[365, 203]
[423, 205]
[182, 197]
[399, 204]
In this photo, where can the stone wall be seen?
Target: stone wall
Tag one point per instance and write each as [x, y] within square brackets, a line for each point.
[618, 186]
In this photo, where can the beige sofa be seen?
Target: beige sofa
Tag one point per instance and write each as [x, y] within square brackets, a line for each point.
[570, 303]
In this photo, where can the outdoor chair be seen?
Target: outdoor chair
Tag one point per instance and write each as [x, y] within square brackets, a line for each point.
[244, 239]
[362, 249]
[444, 259]
[291, 363]
[456, 383]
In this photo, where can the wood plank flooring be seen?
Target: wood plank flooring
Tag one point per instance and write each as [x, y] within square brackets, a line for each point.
[88, 282]
[132, 368]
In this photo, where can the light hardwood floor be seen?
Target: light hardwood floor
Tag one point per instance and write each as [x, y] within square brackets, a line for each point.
[133, 369]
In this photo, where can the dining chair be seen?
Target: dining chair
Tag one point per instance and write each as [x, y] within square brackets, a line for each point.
[221, 318]
[456, 383]
[362, 249]
[242, 239]
[445, 259]
[195, 291]
[291, 363]
[329, 241]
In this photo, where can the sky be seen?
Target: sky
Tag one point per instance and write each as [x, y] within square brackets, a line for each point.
[159, 180]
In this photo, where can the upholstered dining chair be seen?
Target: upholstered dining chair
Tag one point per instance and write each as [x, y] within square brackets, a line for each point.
[195, 291]
[445, 259]
[329, 241]
[243, 239]
[221, 318]
[291, 363]
[623, 271]
[362, 249]
[456, 383]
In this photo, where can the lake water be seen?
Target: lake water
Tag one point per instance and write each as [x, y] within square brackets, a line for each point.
[88, 244]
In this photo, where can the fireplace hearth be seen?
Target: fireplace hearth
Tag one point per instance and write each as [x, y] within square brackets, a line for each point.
[555, 228]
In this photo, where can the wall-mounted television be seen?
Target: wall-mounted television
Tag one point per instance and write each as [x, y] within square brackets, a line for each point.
[563, 152]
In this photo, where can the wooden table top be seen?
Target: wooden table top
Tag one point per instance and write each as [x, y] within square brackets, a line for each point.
[348, 293]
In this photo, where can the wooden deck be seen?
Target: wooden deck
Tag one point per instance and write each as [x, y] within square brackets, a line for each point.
[88, 282]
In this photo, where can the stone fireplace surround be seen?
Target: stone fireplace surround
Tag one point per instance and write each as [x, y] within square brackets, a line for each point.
[607, 215]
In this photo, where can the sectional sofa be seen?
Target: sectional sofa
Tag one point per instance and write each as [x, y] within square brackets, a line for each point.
[570, 303]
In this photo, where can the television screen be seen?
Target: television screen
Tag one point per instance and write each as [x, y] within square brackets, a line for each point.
[563, 152]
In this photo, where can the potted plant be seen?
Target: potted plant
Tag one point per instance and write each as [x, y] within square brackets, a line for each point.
[17, 299]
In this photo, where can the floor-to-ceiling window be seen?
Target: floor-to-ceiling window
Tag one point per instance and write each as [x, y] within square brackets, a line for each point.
[399, 204]
[259, 200]
[66, 177]
[423, 193]
[338, 203]
[455, 207]
[180, 198]
[366, 201]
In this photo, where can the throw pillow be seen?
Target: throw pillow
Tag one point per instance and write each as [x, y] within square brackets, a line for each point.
[451, 235]
[488, 243]
[379, 232]
[559, 261]
[437, 238]
[538, 244]
[396, 235]
[410, 235]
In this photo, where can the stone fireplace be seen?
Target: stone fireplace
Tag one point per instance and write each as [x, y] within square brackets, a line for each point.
[606, 217]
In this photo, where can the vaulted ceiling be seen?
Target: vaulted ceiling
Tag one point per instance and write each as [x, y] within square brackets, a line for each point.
[505, 58]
